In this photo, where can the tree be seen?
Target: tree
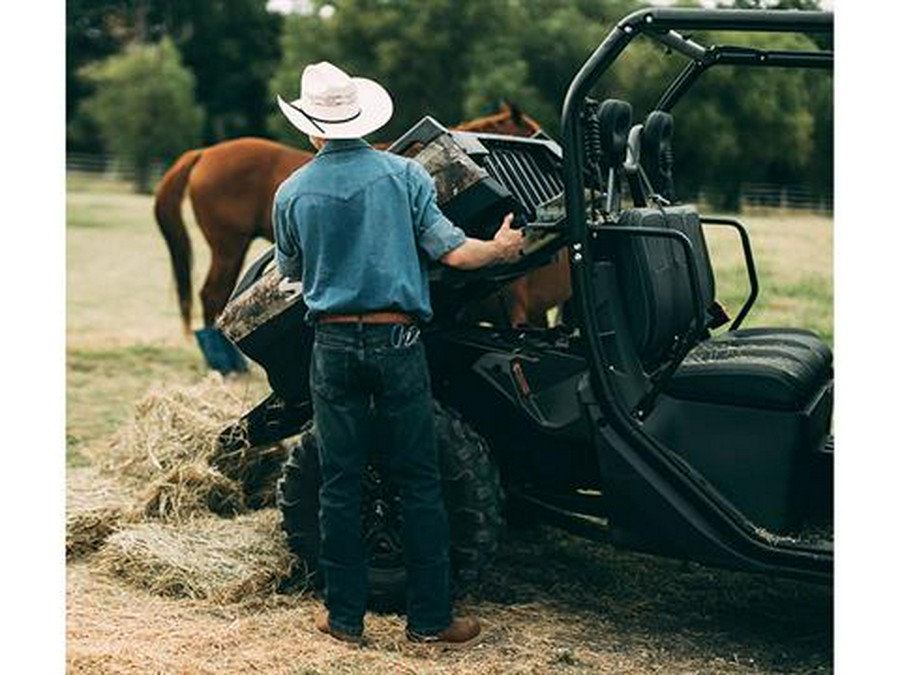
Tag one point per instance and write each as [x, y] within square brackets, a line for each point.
[95, 30]
[452, 59]
[456, 59]
[231, 47]
[143, 105]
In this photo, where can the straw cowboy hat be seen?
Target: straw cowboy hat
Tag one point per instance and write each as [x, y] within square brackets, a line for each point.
[334, 105]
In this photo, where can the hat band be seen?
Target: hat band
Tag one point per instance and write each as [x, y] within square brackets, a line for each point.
[316, 120]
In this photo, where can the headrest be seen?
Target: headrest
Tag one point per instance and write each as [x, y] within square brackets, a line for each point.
[633, 154]
[614, 120]
[656, 152]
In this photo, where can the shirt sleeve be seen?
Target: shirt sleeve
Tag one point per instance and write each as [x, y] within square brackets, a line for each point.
[287, 251]
[435, 233]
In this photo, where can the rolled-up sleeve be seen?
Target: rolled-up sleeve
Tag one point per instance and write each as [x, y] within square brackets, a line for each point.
[287, 251]
[435, 233]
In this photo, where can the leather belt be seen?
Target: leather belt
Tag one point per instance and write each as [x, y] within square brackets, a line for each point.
[368, 317]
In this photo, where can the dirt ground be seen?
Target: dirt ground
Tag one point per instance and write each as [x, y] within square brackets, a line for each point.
[551, 602]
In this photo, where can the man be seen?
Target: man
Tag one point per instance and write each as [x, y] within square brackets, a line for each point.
[356, 224]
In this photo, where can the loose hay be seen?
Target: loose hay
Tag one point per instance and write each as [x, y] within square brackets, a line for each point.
[96, 506]
[173, 426]
[220, 560]
[173, 442]
[87, 530]
[163, 539]
[256, 468]
[193, 490]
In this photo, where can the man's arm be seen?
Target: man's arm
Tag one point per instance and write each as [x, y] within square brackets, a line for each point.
[505, 247]
[287, 252]
[442, 240]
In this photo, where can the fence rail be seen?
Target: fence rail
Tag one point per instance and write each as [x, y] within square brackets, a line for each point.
[109, 168]
[752, 195]
[768, 196]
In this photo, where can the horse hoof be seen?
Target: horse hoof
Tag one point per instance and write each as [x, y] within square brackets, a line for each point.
[220, 353]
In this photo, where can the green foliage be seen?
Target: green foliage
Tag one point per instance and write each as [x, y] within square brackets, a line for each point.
[232, 48]
[452, 59]
[458, 60]
[143, 105]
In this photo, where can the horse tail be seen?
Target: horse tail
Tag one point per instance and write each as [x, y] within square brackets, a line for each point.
[167, 208]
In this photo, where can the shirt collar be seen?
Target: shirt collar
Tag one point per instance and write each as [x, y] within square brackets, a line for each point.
[343, 144]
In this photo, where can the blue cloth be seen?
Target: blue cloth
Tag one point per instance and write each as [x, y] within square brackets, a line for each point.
[353, 366]
[356, 224]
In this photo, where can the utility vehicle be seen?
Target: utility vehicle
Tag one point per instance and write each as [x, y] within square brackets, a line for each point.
[641, 419]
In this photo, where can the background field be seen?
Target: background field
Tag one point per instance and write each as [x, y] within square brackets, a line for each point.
[551, 603]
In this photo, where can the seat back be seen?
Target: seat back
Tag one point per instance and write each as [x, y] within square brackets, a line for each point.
[653, 274]
[654, 278]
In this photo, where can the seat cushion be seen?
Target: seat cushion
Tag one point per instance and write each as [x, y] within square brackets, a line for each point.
[774, 368]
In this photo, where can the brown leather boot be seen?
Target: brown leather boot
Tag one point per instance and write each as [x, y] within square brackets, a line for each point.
[463, 631]
[324, 625]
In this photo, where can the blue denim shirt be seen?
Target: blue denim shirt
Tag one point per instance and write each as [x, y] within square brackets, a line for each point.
[364, 221]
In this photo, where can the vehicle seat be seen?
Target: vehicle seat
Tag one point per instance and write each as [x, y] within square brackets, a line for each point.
[768, 366]
[748, 409]
[764, 367]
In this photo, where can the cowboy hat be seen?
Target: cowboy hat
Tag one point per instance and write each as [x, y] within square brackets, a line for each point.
[334, 105]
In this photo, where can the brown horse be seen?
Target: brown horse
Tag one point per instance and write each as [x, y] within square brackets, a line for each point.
[231, 186]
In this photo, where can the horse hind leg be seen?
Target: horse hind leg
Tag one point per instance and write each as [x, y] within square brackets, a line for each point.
[220, 353]
[221, 278]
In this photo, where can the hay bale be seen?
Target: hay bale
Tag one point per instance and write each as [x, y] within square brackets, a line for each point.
[87, 530]
[191, 490]
[96, 506]
[175, 442]
[174, 425]
[223, 561]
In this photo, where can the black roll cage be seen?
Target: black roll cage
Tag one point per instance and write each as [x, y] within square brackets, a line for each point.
[664, 25]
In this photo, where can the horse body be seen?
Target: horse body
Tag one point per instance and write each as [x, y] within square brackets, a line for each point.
[231, 187]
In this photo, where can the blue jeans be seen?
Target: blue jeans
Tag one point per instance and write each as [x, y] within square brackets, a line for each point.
[353, 366]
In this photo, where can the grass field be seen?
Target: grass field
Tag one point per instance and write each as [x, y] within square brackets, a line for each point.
[552, 603]
[123, 328]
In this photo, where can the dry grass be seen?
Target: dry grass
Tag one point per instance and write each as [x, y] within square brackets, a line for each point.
[174, 537]
[551, 603]
[86, 531]
[193, 489]
[173, 443]
[97, 504]
[216, 559]
[168, 459]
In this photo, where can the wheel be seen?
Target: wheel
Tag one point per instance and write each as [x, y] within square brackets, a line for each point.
[472, 496]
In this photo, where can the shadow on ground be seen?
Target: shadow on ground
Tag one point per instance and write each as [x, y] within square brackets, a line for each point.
[609, 600]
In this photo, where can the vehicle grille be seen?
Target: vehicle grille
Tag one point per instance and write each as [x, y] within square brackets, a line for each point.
[530, 172]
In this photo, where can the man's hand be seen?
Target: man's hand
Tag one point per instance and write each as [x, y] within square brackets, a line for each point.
[508, 241]
[505, 247]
